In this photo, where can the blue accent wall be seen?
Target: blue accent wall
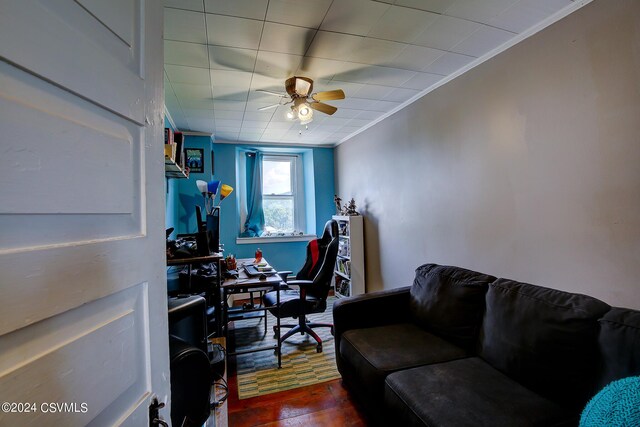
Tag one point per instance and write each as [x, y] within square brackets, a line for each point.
[183, 195]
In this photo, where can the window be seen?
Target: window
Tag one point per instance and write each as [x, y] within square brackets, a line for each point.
[282, 200]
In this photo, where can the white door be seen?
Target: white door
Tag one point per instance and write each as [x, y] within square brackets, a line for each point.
[83, 315]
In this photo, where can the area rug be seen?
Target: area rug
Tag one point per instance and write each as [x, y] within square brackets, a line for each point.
[258, 373]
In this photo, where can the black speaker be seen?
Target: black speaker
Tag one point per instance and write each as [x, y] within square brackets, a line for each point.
[188, 320]
[190, 383]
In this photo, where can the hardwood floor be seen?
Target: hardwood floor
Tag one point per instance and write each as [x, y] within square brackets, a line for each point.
[324, 404]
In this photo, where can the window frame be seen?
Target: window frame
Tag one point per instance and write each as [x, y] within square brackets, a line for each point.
[297, 189]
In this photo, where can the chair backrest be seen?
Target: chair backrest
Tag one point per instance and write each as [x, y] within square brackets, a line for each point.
[321, 259]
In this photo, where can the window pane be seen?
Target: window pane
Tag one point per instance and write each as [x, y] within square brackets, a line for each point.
[276, 177]
[278, 215]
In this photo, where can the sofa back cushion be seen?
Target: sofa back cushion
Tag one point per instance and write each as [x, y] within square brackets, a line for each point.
[619, 342]
[449, 302]
[543, 338]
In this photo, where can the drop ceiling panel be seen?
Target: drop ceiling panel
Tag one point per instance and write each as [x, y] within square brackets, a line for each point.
[230, 93]
[401, 94]
[225, 78]
[375, 52]
[334, 46]
[191, 91]
[254, 9]
[304, 13]
[286, 38]
[415, 58]
[232, 58]
[479, 11]
[446, 32]
[203, 103]
[402, 24]
[448, 63]
[181, 53]
[183, 74]
[184, 25]
[482, 41]
[228, 106]
[437, 6]
[230, 31]
[199, 113]
[527, 13]
[422, 80]
[277, 65]
[195, 5]
[353, 16]
[227, 115]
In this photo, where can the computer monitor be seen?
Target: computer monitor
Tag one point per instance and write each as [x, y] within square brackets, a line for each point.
[210, 226]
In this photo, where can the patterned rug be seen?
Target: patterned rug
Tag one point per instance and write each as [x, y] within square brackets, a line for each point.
[258, 373]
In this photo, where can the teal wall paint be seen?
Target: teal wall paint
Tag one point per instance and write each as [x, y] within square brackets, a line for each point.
[171, 191]
[183, 195]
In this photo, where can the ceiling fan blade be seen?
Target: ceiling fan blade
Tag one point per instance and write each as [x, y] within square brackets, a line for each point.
[323, 108]
[270, 92]
[268, 107]
[328, 95]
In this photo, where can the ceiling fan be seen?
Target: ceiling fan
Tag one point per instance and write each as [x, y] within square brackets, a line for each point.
[303, 101]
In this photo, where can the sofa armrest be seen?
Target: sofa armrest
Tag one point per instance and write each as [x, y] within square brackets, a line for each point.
[369, 310]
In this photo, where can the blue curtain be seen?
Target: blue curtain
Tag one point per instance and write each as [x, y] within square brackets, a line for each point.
[254, 224]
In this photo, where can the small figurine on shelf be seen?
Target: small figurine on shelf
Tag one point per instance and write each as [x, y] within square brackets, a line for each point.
[338, 201]
[350, 208]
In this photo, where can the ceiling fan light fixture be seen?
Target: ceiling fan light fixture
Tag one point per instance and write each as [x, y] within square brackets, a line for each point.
[292, 114]
[305, 114]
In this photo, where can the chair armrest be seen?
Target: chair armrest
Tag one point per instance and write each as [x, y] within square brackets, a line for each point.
[300, 283]
[284, 275]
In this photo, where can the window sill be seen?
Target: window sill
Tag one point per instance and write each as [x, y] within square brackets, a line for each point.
[274, 239]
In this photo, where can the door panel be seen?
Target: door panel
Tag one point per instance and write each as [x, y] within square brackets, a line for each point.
[83, 315]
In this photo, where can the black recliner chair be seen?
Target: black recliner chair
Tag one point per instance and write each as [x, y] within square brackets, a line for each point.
[313, 282]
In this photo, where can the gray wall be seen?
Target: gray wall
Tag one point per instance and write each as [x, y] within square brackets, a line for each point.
[526, 167]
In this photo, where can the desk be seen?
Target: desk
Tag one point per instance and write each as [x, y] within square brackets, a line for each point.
[243, 284]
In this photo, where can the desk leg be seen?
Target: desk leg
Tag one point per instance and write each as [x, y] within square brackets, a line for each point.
[221, 297]
[278, 334]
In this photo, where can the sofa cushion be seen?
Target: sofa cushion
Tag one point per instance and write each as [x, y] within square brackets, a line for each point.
[467, 392]
[545, 339]
[449, 302]
[373, 353]
[619, 342]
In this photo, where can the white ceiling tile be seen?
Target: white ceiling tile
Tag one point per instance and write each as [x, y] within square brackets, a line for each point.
[373, 92]
[527, 13]
[277, 65]
[482, 41]
[233, 32]
[387, 76]
[201, 125]
[446, 32]
[230, 78]
[279, 125]
[198, 104]
[422, 81]
[184, 25]
[358, 122]
[268, 83]
[182, 53]
[199, 113]
[305, 13]
[249, 136]
[438, 6]
[415, 58]
[189, 91]
[182, 74]
[369, 115]
[402, 24]
[258, 116]
[254, 126]
[230, 93]
[448, 63]
[334, 46]
[181, 122]
[353, 16]
[345, 113]
[400, 95]
[185, 4]
[286, 38]
[320, 68]
[254, 9]
[478, 11]
[228, 123]
[232, 58]
[229, 106]
[227, 115]
[375, 52]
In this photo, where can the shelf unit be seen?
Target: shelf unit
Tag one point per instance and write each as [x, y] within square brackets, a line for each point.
[172, 169]
[349, 273]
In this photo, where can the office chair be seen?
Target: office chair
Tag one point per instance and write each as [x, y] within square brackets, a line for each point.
[314, 283]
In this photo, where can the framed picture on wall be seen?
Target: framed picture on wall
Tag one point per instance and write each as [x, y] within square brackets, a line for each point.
[195, 160]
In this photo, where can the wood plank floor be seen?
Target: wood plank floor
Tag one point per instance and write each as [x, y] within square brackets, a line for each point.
[324, 404]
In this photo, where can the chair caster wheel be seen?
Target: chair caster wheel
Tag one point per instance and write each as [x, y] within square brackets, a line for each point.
[319, 348]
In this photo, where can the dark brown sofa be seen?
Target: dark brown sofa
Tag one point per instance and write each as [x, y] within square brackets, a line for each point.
[462, 348]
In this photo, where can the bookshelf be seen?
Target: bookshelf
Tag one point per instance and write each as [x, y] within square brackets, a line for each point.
[349, 273]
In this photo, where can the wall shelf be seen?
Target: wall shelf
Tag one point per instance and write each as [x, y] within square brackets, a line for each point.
[348, 273]
[172, 170]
